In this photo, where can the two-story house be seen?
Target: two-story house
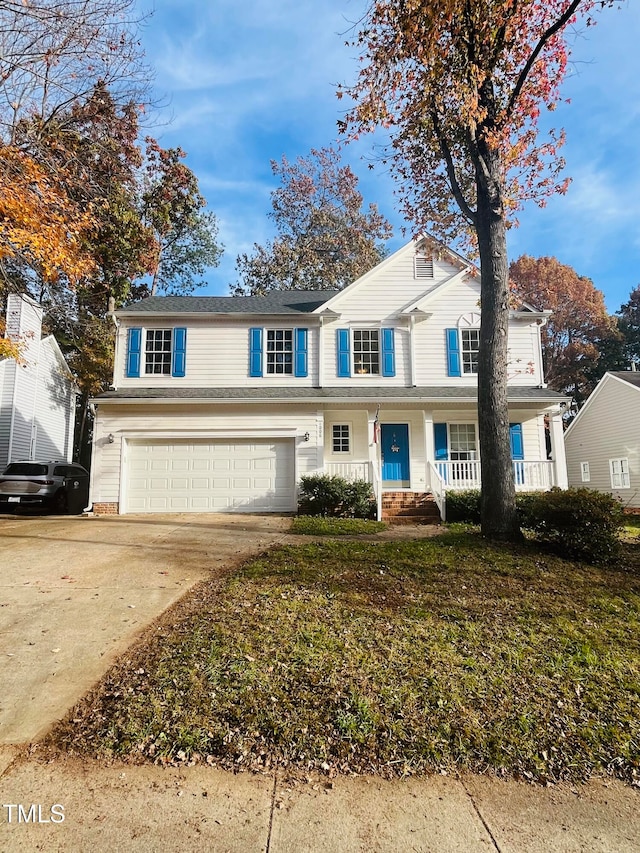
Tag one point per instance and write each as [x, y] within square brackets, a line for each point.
[223, 403]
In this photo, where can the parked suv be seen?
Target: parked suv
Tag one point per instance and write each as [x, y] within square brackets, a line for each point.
[60, 486]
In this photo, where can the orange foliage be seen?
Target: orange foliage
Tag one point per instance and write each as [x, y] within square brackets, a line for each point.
[38, 220]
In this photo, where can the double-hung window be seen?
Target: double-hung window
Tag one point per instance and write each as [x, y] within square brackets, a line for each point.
[157, 354]
[366, 351]
[279, 351]
[619, 469]
[470, 339]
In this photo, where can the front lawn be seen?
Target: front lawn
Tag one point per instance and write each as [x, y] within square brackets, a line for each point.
[390, 657]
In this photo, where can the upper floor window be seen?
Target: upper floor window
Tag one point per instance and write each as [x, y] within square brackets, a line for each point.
[280, 351]
[463, 345]
[366, 351]
[156, 352]
[585, 473]
[470, 339]
[157, 355]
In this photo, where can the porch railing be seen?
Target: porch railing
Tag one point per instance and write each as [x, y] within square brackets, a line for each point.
[351, 470]
[529, 476]
[438, 490]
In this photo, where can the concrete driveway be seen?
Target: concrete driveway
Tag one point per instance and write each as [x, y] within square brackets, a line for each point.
[76, 591]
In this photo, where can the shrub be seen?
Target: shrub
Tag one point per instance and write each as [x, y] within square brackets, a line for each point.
[579, 523]
[464, 506]
[326, 495]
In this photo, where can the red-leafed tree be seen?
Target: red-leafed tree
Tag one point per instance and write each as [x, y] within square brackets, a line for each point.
[577, 328]
[325, 239]
[460, 85]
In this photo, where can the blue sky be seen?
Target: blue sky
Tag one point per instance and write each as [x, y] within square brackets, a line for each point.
[245, 82]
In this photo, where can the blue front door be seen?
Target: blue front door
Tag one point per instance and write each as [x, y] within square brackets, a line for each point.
[394, 445]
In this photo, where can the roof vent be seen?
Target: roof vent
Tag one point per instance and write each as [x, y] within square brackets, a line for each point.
[423, 266]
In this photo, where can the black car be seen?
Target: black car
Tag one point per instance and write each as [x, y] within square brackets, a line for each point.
[59, 486]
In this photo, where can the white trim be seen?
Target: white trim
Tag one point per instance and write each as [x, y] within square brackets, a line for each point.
[438, 290]
[585, 472]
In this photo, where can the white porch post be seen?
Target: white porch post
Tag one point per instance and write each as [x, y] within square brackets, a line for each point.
[556, 434]
[429, 447]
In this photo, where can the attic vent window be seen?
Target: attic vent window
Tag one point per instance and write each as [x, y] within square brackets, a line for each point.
[423, 266]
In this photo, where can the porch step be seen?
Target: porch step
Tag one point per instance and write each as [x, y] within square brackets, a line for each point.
[409, 508]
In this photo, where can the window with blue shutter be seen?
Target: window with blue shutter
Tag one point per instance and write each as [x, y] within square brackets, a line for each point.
[134, 343]
[343, 352]
[301, 352]
[453, 352]
[179, 355]
[255, 352]
[388, 352]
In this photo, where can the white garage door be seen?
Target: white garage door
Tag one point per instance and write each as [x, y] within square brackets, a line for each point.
[253, 475]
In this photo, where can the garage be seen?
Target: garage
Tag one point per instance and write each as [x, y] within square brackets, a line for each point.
[248, 475]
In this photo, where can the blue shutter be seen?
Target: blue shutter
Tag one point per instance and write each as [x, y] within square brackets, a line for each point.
[300, 355]
[453, 352]
[255, 352]
[179, 355]
[440, 442]
[344, 352]
[517, 453]
[134, 342]
[388, 352]
[517, 444]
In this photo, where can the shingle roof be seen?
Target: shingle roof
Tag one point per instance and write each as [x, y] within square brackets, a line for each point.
[630, 376]
[276, 302]
[524, 393]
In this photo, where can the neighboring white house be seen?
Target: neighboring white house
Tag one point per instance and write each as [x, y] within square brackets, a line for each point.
[223, 403]
[37, 393]
[603, 441]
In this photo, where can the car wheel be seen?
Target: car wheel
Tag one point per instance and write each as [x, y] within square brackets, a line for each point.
[60, 502]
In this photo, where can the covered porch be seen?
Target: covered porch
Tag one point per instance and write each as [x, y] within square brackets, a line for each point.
[435, 450]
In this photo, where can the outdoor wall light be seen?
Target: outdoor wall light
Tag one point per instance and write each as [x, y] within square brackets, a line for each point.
[306, 436]
[111, 438]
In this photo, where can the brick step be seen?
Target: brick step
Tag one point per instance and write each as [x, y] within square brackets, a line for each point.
[412, 519]
[409, 508]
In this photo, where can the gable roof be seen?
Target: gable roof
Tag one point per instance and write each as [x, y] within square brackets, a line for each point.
[439, 249]
[627, 377]
[277, 302]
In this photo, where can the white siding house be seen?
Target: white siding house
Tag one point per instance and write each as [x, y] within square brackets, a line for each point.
[603, 441]
[37, 393]
[223, 403]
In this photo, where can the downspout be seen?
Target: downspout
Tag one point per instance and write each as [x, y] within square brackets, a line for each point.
[35, 404]
[412, 350]
[321, 351]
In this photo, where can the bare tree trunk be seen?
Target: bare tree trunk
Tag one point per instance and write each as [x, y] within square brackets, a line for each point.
[499, 519]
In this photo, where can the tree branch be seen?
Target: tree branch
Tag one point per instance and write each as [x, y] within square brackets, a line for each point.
[461, 201]
[559, 24]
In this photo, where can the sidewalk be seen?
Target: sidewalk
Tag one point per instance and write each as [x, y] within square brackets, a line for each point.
[122, 808]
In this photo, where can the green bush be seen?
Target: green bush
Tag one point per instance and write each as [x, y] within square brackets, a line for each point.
[579, 523]
[464, 506]
[326, 495]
